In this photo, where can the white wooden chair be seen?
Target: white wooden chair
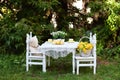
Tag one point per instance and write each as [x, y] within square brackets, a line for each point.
[89, 60]
[34, 56]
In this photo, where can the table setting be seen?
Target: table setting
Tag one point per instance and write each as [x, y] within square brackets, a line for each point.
[57, 47]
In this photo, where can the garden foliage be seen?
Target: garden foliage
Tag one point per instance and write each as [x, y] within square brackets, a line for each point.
[18, 17]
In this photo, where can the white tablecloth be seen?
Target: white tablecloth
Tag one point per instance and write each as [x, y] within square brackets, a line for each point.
[57, 51]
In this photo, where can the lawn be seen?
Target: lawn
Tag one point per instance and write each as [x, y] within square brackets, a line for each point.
[12, 67]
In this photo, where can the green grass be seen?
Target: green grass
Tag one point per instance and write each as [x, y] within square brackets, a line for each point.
[12, 67]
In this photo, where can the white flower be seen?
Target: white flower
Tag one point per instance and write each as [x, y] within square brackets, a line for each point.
[58, 34]
[89, 20]
[4, 10]
[1, 1]
[88, 10]
[78, 4]
[76, 14]
[1, 17]
[53, 20]
[70, 25]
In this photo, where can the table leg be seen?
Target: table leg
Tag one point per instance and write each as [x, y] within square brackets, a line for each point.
[73, 61]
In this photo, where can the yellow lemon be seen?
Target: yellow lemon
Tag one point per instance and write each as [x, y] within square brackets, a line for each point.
[84, 50]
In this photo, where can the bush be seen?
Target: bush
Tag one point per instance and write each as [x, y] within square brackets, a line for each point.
[13, 36]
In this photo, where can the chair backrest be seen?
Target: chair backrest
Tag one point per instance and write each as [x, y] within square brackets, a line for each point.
[28, 36]
[93, 41]
[27, 43]
[94, 44]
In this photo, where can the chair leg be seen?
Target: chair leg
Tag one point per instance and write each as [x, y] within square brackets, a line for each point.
[77, 67]
[94, 70]
[27, 67]
[44, 64]
[44, 70]
[94, 66]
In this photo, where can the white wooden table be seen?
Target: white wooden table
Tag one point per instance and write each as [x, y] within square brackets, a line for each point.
[57, 51]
